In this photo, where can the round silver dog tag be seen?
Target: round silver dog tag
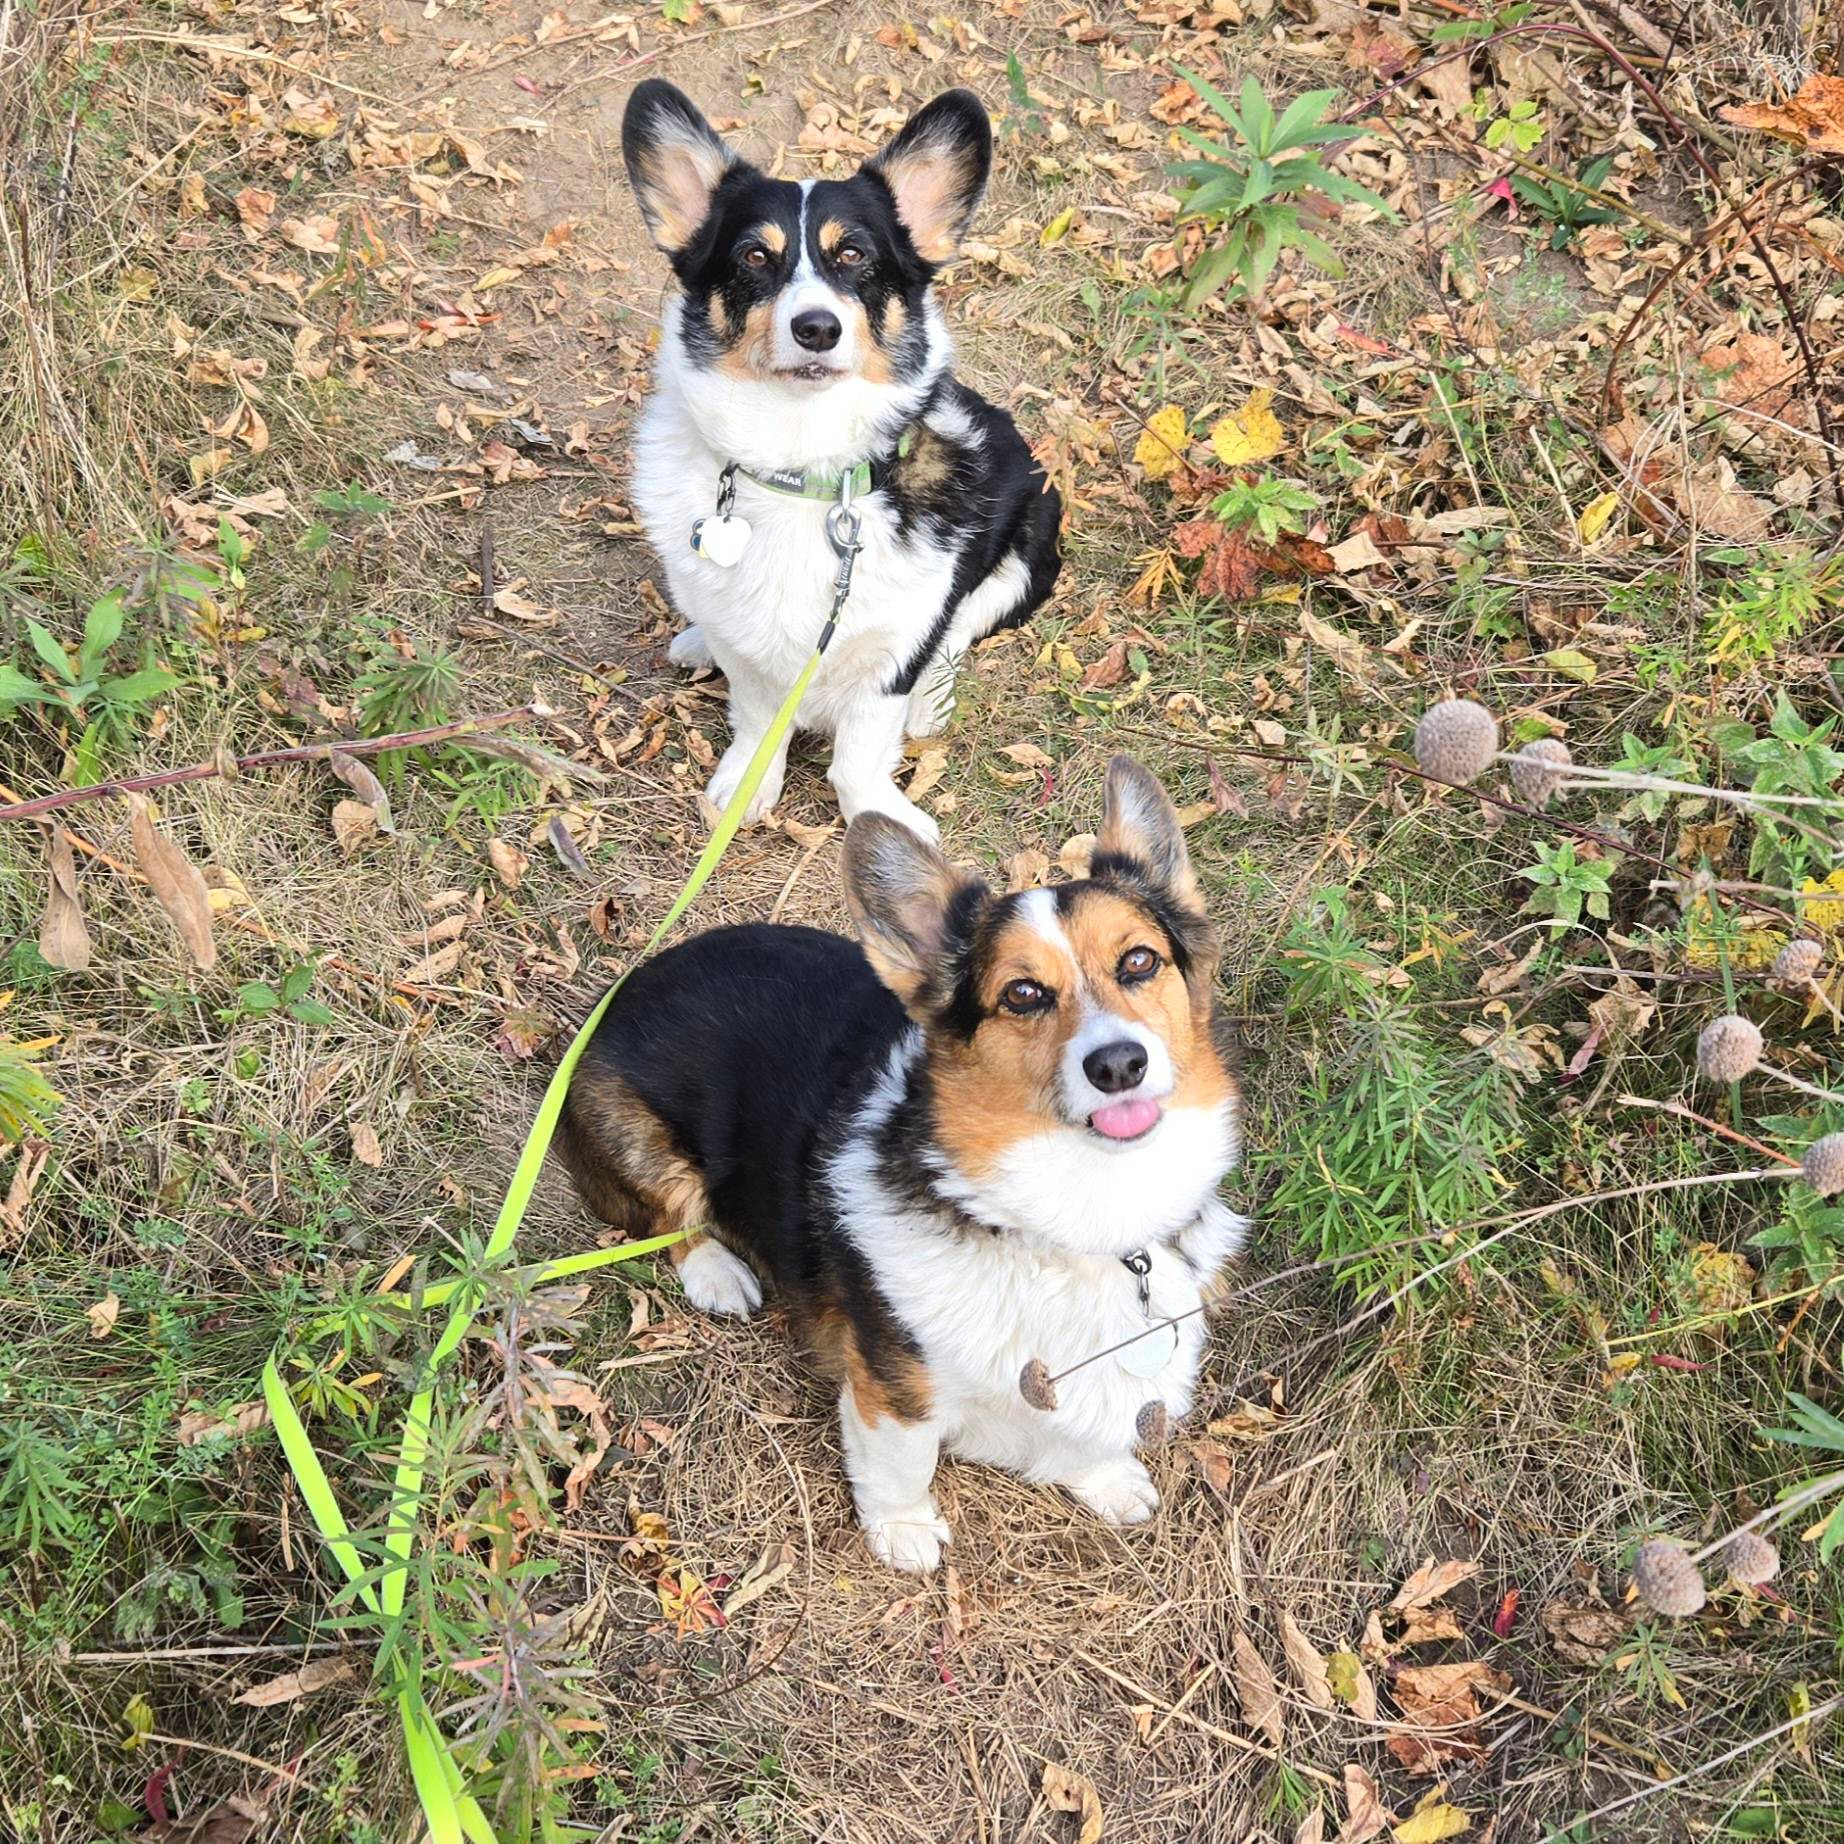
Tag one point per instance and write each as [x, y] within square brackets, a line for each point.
[1147, 1356]
[722, 540]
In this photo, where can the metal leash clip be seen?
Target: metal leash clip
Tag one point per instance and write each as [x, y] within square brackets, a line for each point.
[844, 522]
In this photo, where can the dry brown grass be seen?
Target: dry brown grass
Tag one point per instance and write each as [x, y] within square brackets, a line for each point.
[894, 1710]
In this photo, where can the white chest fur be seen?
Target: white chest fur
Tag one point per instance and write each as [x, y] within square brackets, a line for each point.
[764, 610]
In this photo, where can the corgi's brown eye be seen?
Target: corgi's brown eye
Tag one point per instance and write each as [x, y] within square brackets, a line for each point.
[1023, 997]
[756, 259]
[850, 255]
[1137, 964]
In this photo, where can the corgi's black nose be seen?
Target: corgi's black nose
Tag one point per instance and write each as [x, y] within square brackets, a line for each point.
[815, 329]
[1115, 1066]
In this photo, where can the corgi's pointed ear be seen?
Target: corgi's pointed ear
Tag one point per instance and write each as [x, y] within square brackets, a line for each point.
[1140, 823]
[904, 897]
[937, 170]
[675, 162]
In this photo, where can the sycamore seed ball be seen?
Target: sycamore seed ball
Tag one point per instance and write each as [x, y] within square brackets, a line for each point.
[1751, 1559]
[1456, 741]
[1034, 1385]
[1729, 1048]
[1798, 962]
[1667, 1579]
[1537, 770]
[1823, 1165]
[1151, 1425]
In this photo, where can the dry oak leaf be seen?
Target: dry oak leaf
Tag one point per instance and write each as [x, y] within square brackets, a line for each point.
[197, 1425]
[175, 882]
[1065, 1790]
[1442, 1702]
[255, 207]
[1430, 1582]
[63, 937]
[509, 863]
[1257, 1691]
[353, 823]
[1582, 1635]
[318, 236]
[1813, 115]
[103, 1315]
[1753, 372]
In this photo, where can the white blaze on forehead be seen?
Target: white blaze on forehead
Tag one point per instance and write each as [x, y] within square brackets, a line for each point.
[806, 289]
[1038, 909]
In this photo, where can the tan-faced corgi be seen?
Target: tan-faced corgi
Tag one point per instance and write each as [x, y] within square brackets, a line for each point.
[993, 1132]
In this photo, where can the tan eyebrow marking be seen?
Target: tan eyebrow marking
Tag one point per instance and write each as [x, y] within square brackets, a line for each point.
[832, 234]
[772, 236]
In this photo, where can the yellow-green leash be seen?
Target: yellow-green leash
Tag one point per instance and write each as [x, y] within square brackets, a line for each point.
[451, 1812]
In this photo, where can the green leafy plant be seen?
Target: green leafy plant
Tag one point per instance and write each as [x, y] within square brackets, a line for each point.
[1818, 1428]
[1661, 759]
[1265, 506]
[27, 1100]
[1253, 191]
[1776, 599]
[1567, 884]
[81, 685]
[407, 688]
[1459, 31]
[1398, 1134]
[1566, 207]
[257, 998]
[1520, 128]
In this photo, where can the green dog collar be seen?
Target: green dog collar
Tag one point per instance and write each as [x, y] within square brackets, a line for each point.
[865, 477]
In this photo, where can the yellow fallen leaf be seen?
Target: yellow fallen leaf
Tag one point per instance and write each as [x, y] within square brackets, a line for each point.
[1431, 1821]
[1161, 447]
[1595, 516]
[497, 278]
[1058, 228]
[1252, 433]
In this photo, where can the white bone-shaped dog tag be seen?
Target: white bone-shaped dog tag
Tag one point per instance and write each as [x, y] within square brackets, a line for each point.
[1147, 1356]
[721, 540]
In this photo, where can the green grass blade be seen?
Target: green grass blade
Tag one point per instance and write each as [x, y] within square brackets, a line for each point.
[542, 1273]
[310, 1477]
[431, 1769]
[407, 1490]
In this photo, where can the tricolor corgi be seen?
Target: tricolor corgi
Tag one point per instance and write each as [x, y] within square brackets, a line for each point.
[994, 1132]
[803, 361]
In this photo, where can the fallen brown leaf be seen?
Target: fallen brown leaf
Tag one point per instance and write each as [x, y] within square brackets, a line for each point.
[1065, 1790]
[1365, 1814]
[1814, 115]
[294, 1684]
[175, 882]
[1440, 1704]
[1257, 1691]
[354, 821]
[1308, 1664]
[63, 937]
[103, 1315]
[365, 786]
[365, 1147]
[1430, 1582]
[509, 863]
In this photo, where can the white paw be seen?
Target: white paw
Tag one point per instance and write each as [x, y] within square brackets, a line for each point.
[887, 798]
[911, 1540]
[715, 1281]
[690, 650]
[729, 777]
[1121, 1492]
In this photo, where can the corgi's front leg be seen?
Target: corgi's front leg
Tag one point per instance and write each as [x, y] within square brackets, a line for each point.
[753, 704]
[891, 1465]
[867, 746]
[1118, 1489]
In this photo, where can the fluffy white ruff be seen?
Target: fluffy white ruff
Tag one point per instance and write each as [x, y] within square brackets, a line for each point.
[1049, 1285]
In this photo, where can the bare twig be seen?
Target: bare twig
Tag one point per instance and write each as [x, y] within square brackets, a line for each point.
[265, 758]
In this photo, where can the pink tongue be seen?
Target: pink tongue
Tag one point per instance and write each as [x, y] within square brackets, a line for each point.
[1125, 1120]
